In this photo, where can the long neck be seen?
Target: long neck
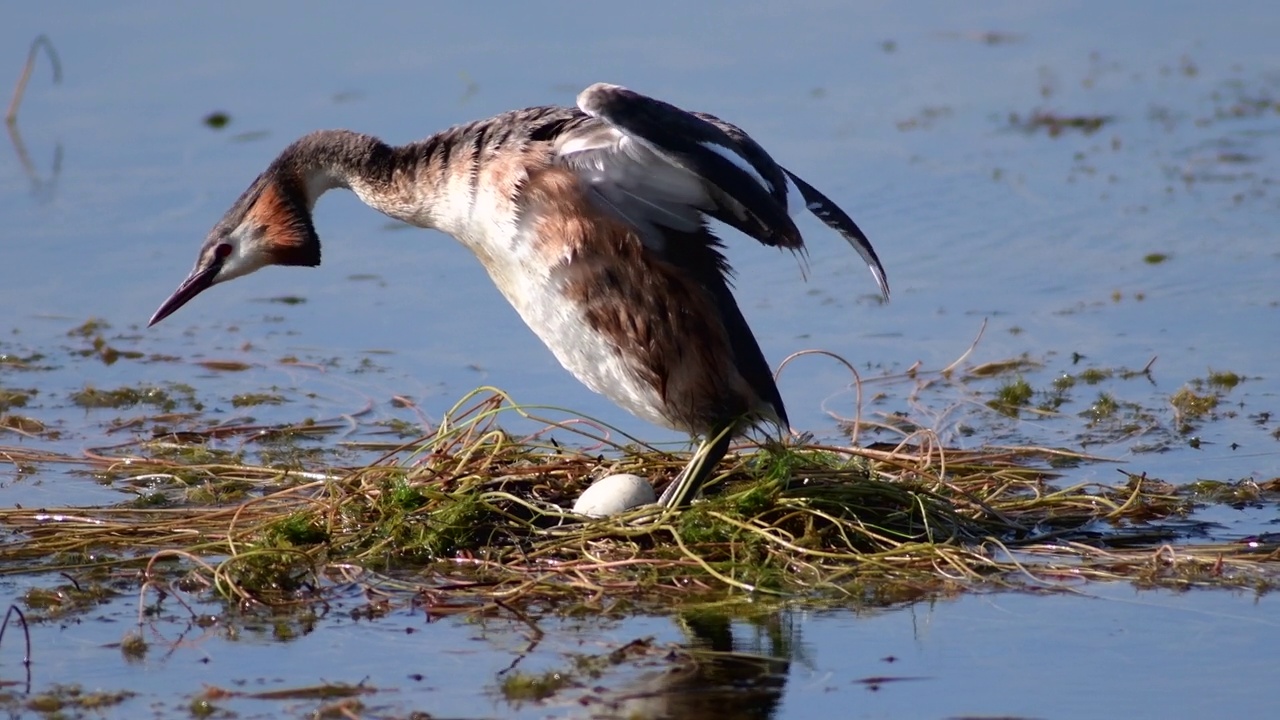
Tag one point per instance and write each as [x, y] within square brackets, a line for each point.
[407, 183]
[463, 180]
[435, 183]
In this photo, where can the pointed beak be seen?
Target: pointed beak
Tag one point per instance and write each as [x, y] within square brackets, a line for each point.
[196, 282]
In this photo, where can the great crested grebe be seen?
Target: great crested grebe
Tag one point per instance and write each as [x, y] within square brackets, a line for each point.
[592, 222]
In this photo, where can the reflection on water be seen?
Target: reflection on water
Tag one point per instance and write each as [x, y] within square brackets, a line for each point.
[729, 676]
[42, 187]
[721, 668]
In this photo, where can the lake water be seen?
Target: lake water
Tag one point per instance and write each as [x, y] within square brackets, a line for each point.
[1151, 237]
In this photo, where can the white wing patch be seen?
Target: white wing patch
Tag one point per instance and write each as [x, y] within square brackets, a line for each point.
[795, 201]
[635, 181]
[740, 163]
[584, 143]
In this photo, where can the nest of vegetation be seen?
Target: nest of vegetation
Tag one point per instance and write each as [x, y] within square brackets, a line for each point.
[472, 515]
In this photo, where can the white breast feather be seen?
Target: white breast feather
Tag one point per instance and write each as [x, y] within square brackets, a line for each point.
[536, 291]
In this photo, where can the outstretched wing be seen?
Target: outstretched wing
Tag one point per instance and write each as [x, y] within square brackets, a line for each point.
[836, 219]
[800, 195]
[658, 166]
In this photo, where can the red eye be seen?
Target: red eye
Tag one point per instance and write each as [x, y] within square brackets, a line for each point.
[222, 251]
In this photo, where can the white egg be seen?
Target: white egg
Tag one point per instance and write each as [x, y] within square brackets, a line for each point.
[615, 494]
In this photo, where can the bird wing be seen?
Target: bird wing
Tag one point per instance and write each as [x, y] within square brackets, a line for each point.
[656, 166]
[836, 219]
[800, 195]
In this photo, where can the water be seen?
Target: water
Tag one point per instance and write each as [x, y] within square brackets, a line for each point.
[1108, 652]
[903, 115]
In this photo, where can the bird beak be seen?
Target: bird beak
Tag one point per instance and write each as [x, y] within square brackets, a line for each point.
[196, 282]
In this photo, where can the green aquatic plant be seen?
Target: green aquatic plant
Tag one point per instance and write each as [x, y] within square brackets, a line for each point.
[474, 513]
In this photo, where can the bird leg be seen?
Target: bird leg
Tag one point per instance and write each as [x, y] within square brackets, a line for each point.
[710, 451]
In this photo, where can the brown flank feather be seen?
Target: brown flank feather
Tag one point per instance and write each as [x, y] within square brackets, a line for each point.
[655, 312]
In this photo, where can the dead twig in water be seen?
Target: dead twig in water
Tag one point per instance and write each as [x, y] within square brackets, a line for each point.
[11, 117]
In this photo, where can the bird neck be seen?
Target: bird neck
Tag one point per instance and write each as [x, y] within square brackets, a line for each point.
[392, 180]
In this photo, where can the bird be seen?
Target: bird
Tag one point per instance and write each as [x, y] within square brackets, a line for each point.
[593, 222]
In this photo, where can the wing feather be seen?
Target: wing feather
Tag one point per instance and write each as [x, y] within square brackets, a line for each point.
[659, 167]
[838, 220]
[666, 141]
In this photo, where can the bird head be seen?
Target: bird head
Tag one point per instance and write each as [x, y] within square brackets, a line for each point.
[269, 225]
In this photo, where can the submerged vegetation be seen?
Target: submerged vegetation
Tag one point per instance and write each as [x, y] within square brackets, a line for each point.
[470, 515]
[246, 510]
[474, 513]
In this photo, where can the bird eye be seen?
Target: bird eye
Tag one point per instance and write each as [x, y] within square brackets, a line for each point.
[222, 250]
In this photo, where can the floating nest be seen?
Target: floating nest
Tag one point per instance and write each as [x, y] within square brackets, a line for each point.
[470, 514]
